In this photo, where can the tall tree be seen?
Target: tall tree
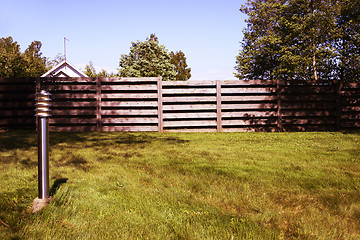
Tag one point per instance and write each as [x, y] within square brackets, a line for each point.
[35, 64]
[178, 59]
[296, 39]
[11, 61]
[147, 59]
[348, 40]
[259, 57]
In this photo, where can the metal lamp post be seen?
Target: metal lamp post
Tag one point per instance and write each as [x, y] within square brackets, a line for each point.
[42, 113]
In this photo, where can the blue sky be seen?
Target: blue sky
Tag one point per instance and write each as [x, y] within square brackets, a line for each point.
[207, 31]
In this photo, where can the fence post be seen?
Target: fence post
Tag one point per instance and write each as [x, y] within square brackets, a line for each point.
[98, 105]
[160, 105]
[278, 103]
[218, 106]
[338, 87]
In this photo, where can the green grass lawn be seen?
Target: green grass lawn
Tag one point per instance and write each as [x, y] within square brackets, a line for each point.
[183, 186]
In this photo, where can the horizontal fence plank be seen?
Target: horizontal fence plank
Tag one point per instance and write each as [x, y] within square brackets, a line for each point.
[129, 79]
[133, 112]
[188, 83]
[248, 106]
[73, 95]
[191, 123]
[18, 88]
[247, 98]
[309, 121]
[15, 105]
[189, 91]
[249, 90]
[254, 121]
[130, 128]
[189, 99]
[74, 112]
[13, 80]
[189, 107]
[189, 115]
[62, 80]
[308, 89]
[308, 97]
[130, 120]
[248, 82]
[61, 87]
[248, 114]
[129, 95]
[17, 113]
[263, 128]
[106, 103]
[55, 120]
[21, 96]
[72, 104]
[309, 113]
[72, 128]
[124, 88]
[308, 105]
[191, 130]
[18, 121]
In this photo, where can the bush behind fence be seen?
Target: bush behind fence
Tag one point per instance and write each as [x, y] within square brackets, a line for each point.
[150, 104]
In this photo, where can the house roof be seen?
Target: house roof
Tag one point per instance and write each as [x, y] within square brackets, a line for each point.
[64, 69]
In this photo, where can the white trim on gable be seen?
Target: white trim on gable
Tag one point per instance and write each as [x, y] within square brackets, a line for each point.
[64, 69]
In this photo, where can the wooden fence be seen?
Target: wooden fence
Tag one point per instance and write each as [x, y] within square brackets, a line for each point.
[149, 104]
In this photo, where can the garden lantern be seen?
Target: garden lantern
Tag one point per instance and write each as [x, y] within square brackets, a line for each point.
[42, 113]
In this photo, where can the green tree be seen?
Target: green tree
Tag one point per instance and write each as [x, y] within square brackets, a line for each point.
[34, 63]
[300, 39]
[178, 59]
[147, 59]
[348, 40]
[11, 61]
[259, 57]
[91, 72]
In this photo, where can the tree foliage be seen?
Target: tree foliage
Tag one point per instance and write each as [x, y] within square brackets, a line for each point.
[178, 59]
[147, 59]
[52, 63]
[90, 71]
[35, 64]
[13, 63]
[300, 39]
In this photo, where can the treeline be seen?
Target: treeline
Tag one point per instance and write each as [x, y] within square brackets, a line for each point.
[14, 63]
[145, 59]
[308, 40]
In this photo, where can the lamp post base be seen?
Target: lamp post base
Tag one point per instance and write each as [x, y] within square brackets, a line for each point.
[39, 203]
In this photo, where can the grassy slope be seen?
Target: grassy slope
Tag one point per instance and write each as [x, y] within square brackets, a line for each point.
[184, 186]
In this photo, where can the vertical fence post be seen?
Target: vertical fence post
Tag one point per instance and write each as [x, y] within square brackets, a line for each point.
[338, 88]
[218, 106]
[278, 103]
[98, 105]
[42, 114]
[160, 105]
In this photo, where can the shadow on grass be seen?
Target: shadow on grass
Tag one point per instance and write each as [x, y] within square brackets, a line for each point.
[108, 138]
[14, 142]
[57, 183]
[18, 140]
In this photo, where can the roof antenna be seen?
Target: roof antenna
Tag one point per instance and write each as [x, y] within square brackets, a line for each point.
[65, 39]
